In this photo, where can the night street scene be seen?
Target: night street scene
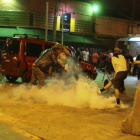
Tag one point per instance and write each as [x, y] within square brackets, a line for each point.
[69, 70]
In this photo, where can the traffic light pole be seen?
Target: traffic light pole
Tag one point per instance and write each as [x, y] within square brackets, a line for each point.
[62, 27]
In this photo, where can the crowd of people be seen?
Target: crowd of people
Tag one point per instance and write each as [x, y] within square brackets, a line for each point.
[102, 60]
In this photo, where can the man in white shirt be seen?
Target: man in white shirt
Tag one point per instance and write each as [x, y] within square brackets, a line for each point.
[120, 67]
[86, 55]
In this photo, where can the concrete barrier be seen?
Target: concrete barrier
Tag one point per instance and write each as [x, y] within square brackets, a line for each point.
[131, 123]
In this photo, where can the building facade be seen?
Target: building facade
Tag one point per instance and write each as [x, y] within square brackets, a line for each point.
[22, 16]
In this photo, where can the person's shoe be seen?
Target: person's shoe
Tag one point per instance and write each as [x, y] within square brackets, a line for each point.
[99, 91]
[117, 106]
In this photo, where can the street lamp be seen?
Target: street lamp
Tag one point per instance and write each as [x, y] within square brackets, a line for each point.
[7, 0]
[95, 10]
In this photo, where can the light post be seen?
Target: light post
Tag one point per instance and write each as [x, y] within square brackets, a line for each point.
[55, 19]
[95, 10]
[46, 23]
[7, 1]
[132, 16]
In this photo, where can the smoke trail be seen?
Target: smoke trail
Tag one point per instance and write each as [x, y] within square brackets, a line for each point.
[77, 94]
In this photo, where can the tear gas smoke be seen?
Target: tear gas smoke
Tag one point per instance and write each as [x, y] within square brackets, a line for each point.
[71, 92]
[79, 94]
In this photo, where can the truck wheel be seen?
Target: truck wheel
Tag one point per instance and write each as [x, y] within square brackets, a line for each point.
[25, 78]
[10, 78]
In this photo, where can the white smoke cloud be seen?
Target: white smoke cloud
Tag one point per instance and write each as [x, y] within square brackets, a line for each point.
[77, 94]
[68, 92]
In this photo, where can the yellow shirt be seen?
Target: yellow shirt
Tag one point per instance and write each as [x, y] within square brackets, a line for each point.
[119, 63]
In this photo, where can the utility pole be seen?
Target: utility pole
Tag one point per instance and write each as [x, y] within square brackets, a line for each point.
[62, 26]
[55, 19]
[46, 24]
[132, 16]
[94, 12]
[94, 22]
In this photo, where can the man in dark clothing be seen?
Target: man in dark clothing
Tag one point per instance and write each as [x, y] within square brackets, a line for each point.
[102, 58]
[78, 54]
[138, 69]
[43, 63]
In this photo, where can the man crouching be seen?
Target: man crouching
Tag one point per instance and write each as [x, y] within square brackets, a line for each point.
[43, 63]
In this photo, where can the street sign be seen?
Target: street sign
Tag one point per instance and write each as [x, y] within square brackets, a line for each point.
[66, 22]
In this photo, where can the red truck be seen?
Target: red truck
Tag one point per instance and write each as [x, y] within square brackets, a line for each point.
[19, 54]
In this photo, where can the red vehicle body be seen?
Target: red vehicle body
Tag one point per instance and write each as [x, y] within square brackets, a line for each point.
[17, 58]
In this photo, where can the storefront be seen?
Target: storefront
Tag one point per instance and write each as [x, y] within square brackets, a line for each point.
[132, 43]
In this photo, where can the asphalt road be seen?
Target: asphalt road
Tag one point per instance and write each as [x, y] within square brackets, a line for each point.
[8, 133]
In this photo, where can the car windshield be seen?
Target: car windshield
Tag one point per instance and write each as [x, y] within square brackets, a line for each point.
[12, 47]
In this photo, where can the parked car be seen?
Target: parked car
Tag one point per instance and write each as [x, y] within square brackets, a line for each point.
[19, 54]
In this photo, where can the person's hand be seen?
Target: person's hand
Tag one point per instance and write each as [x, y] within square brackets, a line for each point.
[66, 68]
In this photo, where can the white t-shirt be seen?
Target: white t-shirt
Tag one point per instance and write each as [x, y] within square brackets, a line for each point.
[86, 55]
[119, 63]
[134, 58]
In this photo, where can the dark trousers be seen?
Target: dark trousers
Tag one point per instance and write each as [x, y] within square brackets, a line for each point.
[138, 73]
[94, 64]
[135, 70]
[118, 81]
[37, 74]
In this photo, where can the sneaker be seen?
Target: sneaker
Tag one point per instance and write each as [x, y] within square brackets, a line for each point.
[99, 91]
[117, 106]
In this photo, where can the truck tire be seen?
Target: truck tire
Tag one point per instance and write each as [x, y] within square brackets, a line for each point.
[10, 78]
[25, 78]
